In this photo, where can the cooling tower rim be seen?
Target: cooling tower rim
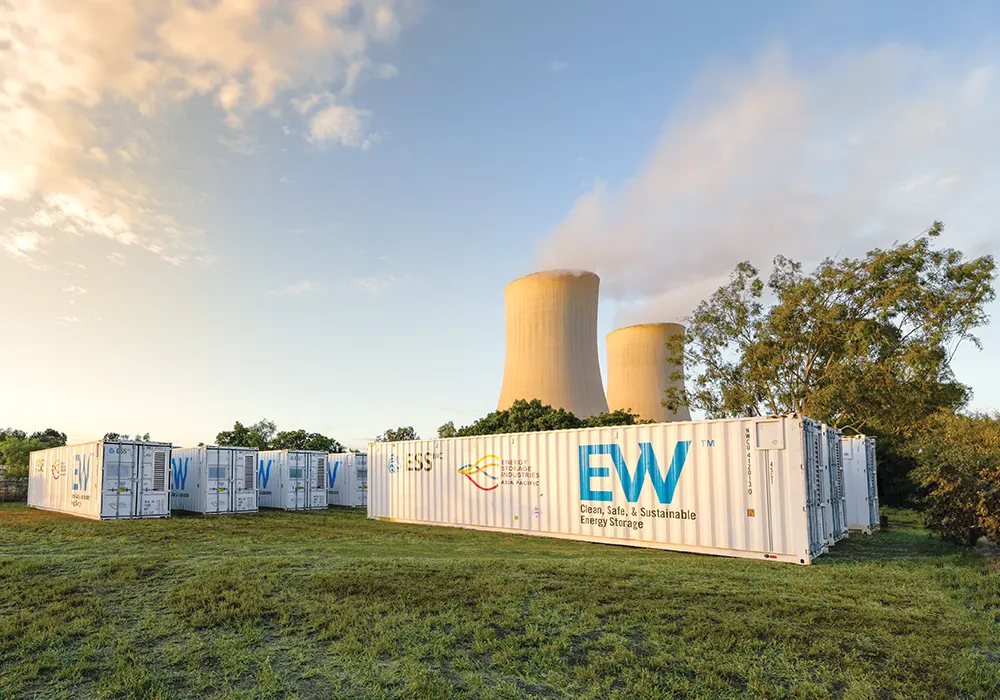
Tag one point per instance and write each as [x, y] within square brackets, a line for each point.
[647, 325]
[556, 275]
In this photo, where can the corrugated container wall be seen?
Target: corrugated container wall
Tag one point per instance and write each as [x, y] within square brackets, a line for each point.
[347, 479]
[833, 454]
[102, 480]
[745, 488]
[860, 484]
[291, 479]
[214, 479]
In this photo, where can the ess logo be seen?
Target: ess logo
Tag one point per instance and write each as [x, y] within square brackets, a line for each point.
[479, 472]
[393, 464]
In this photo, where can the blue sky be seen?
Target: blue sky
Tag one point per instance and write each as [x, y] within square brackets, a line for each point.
[296, 211]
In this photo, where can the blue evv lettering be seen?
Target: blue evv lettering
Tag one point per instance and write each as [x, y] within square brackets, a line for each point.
[263, 474]
[180, 468]
[331, 476]
[631, 483]
[81, 473]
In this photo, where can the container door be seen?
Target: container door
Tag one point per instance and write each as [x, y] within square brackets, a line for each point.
[295, 490]
[317, 481]
[217, 477]
[244, 487]
[361, 480]
[151, 465]
[119, 481]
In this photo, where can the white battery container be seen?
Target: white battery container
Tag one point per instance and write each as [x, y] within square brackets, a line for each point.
[347, 479]
[291, 479]
[743, 488]
[214, 480]
[102, 480]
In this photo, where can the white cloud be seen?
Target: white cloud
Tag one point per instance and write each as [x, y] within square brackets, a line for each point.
[378, 285]
[117, 258]
[21, 244]
[75, 290]
[299, 289]
[76, 73]
[342, 124]
[67, 319]
[558, 66]
[877, 144]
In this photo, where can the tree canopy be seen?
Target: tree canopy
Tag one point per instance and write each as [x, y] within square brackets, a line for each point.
[532, 416]
[16, 447]
[862, 344]
[398, 434]
[264, 435]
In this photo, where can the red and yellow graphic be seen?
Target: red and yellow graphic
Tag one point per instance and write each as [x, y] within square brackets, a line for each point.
[477, 472]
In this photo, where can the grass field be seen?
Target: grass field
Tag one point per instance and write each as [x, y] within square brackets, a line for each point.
[329, 604]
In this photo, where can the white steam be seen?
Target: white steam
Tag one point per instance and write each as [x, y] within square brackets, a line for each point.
[871, 149]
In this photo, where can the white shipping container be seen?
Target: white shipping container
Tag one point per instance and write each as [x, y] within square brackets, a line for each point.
[833, 459]
[102, 480]
[861, 484]
[744, 488]
[347, 479]
[291, 479]
[211, 479]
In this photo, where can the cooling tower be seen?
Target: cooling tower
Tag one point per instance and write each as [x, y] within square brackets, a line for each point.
[638, 371]
[552, 342]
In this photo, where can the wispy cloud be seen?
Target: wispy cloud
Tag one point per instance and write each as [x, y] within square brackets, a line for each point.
[67, 319]
[558, 66]
[75, 290]
[116, 258]
[876, 143]
[299, 289]
[378, 285]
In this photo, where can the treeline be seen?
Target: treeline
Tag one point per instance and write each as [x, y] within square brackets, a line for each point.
[16, 446]
[532, 416]
[264, 435]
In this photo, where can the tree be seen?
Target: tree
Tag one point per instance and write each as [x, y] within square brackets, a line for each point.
[16, 450]
[619, 416]
[258, 435]
[50, 437]
[447, 430]
[401, 433]
[958, 469]
[119, 437]
[862, 344]
[301, 440]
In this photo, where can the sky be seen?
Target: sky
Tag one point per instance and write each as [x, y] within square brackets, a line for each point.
[307, 210]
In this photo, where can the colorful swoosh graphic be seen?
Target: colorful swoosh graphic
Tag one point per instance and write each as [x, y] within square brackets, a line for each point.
[478, 469]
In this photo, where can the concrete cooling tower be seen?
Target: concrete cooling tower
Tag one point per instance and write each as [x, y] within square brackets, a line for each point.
[638, 371]
[552, 342]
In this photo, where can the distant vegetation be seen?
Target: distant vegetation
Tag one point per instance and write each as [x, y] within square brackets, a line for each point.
[264, 435]
[862, 344]
[398, 434]
[532, 416]
[16, 446]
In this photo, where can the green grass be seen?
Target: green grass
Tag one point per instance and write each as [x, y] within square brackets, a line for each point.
[328, 604]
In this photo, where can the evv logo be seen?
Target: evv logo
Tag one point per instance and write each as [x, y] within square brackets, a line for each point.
[263, 474]
[81, 473]
[180, 465]
[331, 476]
[631, 483]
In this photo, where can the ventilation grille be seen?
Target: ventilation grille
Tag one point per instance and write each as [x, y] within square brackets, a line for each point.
[159, 471]
[321, 473]
[248, 469]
